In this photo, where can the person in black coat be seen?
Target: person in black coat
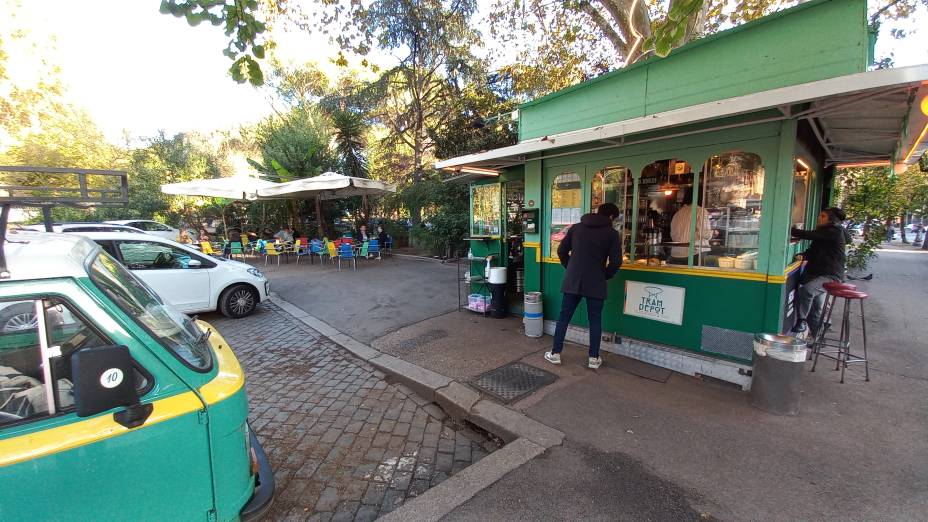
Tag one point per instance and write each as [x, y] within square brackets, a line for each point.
[825, 260]
[584, 252]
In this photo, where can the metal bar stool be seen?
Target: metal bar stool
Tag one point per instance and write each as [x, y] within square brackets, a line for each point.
[843, 355]
[821, 338]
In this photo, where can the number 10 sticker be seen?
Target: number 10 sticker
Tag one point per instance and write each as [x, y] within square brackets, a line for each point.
[111, 378]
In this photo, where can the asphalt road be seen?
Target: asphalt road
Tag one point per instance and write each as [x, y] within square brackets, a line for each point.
[367, 303]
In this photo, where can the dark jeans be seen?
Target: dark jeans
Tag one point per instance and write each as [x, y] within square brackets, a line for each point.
[594, 314]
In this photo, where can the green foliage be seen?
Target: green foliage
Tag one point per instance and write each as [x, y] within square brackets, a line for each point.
[293, 145]
[240, 23]
[872, 196]
[671, 31]
[350, 143]
[445, 213]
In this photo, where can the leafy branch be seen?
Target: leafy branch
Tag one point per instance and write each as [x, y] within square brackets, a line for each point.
[246, 43]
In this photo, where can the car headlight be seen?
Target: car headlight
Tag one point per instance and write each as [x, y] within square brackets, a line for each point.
[255, 272]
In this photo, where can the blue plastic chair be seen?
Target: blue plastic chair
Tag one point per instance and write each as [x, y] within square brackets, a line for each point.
[346, 251]
[300, 250]
[374, 248]
[317, 248]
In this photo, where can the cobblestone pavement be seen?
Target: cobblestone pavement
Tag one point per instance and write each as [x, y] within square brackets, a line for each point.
[344, 443]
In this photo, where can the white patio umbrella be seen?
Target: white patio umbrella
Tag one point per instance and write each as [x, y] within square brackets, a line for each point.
[329, 185]
[235, 187]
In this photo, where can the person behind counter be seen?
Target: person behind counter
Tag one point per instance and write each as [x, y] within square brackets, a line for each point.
[825, 260]
[680, 226]
[584, 251]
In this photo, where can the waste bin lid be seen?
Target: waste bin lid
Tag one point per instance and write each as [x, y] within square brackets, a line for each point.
[779, 341]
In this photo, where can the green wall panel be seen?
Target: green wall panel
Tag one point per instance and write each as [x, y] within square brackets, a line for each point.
[776, 51]
[734, 304]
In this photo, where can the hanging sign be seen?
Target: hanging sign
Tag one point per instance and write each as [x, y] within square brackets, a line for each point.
[657, 302]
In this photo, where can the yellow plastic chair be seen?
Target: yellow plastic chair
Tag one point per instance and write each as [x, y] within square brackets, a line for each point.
[207, 248]
[270, 249]
[247, 245]
[330, 247]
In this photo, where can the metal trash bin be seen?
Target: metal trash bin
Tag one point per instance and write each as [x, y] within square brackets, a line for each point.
[533, 314]
[778, 368]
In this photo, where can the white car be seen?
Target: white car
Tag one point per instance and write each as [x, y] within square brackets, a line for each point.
[151, 227]
[84, 227]
[186, 278]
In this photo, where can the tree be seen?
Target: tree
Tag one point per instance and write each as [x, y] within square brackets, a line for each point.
[25, 103]
[295, 145]
[873, 196]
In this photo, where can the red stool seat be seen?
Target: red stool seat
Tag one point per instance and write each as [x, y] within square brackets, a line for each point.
[841, 347]
[834, 285]
[848, 294]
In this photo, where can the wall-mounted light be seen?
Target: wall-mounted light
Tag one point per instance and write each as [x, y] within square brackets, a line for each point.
[802, 163]
[478, 170]
[918, 140]
[863, 164]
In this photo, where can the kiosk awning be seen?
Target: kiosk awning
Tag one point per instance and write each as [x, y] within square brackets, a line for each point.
[871, 117]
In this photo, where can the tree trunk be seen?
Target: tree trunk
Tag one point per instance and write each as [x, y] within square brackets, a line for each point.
[294, 213]
[905, 240]
[320, 228]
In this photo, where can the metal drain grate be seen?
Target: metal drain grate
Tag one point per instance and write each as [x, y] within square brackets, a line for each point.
[513, 381]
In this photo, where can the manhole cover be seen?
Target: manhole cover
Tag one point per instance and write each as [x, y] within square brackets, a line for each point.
[513, 381]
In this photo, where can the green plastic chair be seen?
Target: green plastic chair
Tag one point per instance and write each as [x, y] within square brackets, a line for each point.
[364, 248]
[236, 249]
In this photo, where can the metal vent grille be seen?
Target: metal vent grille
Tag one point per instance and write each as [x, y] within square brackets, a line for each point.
[513, 381]
[728, 342]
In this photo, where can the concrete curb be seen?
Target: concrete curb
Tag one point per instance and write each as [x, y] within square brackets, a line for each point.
[445, 497]
[526, 438]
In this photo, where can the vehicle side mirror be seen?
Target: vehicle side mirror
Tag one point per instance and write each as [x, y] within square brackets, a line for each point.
[103, 379]
[194, 263]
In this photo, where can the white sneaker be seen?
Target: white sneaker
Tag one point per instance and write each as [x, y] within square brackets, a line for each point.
[553, 358]
[594, 362]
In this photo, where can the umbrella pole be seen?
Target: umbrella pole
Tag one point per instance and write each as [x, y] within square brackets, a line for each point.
[319, 217]
[222, 214]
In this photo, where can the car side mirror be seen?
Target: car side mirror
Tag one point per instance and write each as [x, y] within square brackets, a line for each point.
[102, 378]
[194, 263]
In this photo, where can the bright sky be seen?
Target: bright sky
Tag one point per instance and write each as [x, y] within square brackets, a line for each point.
[133, 68]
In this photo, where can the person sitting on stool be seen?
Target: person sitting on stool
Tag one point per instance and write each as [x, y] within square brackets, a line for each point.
[825, 260]
[584, 252]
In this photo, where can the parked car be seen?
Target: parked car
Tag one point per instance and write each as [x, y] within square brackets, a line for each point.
[16, 316]
[109, 384]
[186, 278]
[85, 227]
[151, 227]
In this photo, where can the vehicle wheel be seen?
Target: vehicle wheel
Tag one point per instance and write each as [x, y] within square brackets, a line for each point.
[238, 301]
[18, 317]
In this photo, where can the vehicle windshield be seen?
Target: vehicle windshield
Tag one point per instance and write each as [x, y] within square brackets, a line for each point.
[174, 329]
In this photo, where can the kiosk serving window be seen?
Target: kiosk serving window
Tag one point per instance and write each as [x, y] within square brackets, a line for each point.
[661, 191]
[613, 185]
[802, 175]
[486, 212]
[566, 206]
[732, 192]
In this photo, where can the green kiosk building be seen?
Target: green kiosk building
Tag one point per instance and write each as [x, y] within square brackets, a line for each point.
[743, 130]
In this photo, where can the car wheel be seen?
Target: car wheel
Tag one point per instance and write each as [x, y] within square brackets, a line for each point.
[18, 317]
[238, 301]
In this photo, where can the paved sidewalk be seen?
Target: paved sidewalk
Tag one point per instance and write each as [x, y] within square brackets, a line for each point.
[344, 443]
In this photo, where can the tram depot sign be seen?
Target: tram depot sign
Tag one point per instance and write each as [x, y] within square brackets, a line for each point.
[657, 302]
